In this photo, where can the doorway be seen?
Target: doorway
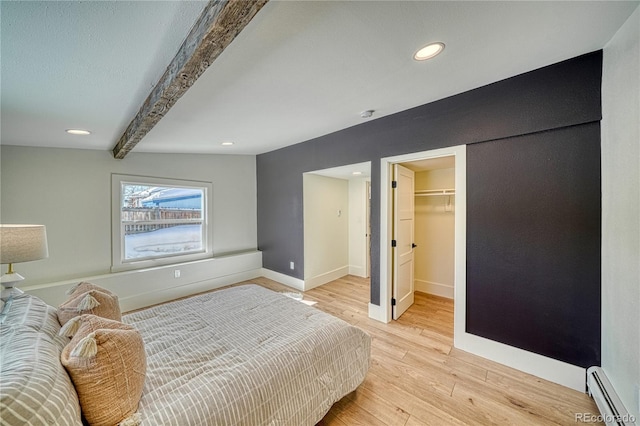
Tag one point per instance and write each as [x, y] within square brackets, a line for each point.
[336, 206]
[424, 230]
[384, 311]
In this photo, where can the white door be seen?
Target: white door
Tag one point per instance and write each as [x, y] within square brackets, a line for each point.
[368, 236]
[403, 212]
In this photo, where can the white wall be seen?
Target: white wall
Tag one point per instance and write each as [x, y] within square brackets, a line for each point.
[621, 213]
[358, 227]
[434, 234]
[69, 191]
[326, 229]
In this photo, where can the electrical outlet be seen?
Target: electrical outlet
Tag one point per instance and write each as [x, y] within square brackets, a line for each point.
[291, 265]
[176, 273]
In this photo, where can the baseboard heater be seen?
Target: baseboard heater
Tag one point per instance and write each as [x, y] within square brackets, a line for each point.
[612, 410]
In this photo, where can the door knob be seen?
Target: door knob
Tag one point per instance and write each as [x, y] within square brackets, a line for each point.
[413, 245]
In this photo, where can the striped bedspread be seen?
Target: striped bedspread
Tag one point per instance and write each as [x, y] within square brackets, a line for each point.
[246, 356]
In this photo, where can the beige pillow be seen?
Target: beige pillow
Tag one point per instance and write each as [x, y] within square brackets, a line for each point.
[87, 298]
[107, 364]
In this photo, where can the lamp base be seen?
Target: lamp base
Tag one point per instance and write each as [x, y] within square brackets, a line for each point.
[7, 279]
[7, 292]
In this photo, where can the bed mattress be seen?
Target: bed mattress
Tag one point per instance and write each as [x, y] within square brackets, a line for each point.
[246, 356]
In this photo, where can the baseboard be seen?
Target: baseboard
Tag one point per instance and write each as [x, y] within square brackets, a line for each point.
[358, 271]
[318, 280]
[287, 280]
[140, 288]
[437, 289]
[555, 371]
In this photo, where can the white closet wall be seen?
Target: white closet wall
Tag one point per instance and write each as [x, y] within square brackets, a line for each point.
[434, 233]
[326, 229]
[358, 246]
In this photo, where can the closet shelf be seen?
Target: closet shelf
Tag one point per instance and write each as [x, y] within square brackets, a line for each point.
[434, 192]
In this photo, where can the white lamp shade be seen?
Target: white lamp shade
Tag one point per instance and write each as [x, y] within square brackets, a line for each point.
[23, 243]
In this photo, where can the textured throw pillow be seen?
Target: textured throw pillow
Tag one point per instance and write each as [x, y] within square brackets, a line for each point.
[87, 298]
[107, 364]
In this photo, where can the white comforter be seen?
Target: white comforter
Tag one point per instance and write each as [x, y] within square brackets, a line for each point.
[246, 356]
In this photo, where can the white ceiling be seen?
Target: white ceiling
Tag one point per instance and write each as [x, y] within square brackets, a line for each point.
[429, 164]
[364, 169]
[299, 70]
[346, 172]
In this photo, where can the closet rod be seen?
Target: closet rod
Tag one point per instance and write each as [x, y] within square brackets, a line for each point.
[434, 192]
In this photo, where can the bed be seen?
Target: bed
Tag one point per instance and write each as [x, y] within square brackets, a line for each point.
[238, 356]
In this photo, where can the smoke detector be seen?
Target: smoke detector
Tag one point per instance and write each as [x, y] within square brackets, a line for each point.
[366, 114]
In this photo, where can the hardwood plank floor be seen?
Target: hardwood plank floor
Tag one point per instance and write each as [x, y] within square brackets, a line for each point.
[418, 378]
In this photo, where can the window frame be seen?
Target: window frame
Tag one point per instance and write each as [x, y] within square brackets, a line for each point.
[118, 263]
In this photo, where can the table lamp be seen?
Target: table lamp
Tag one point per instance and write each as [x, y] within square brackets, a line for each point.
[20, 243]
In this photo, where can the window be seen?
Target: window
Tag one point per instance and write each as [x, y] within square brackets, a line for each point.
[159, 221]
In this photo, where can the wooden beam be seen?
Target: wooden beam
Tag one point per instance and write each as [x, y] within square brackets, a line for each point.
[218, 25]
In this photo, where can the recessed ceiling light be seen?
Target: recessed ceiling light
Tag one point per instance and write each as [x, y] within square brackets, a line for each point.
[78, 132]
[356, 173]
[227, 143]
[429, 51]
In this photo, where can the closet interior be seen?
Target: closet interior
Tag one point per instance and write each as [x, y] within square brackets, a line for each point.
[435, 201]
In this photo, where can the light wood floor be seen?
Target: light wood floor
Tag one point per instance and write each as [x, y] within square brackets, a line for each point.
[417, 377]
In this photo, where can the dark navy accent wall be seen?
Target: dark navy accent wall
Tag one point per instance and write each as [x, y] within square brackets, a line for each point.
[535, 103]
[533, 243]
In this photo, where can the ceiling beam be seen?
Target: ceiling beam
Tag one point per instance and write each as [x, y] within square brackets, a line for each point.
[218, 25]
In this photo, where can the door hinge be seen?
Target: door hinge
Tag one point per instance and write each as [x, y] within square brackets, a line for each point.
[394, 184]
[393, 302]
[393, 243]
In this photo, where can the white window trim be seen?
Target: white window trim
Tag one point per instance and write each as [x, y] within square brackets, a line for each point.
[117, 240]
